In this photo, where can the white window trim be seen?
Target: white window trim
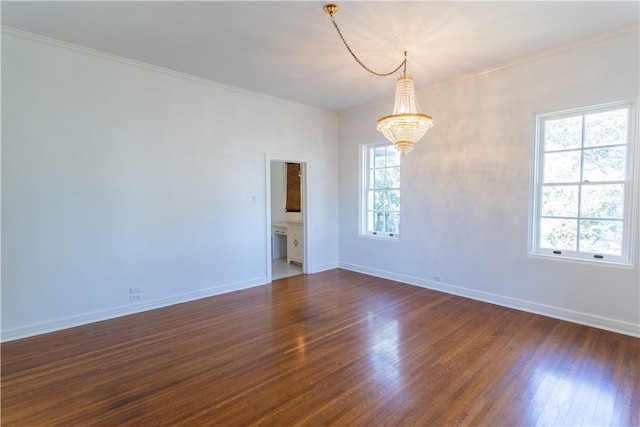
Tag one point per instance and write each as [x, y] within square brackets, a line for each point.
[632, 204]
[364, 171]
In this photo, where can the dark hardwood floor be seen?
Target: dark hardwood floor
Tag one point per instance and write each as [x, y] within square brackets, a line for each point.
[333, 348]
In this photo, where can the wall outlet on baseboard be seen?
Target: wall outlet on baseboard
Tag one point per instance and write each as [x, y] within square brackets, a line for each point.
[437, 279]
[135, 290]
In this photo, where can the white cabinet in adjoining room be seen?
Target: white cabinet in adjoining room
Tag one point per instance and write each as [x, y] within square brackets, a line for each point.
[294, 243]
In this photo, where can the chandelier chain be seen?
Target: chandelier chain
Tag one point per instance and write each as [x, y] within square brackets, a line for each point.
[402, 64]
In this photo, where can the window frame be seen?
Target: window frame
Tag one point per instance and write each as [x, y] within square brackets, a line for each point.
[365, 168]
[630, 181]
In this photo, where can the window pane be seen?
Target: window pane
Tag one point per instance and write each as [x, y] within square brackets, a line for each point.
[393, 222]
[394, 200]
[380, 178]
[379, 200]
[393, 156]
[601, 237]
[604, 164]
[378, 223]
[560, 200]
[561, 134]
[607, 128]
[393, 177]
[379, 154]
[558, 233]
[562, 167]
[602, 201]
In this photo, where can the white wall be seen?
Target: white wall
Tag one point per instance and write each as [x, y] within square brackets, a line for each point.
[465, 189]
[117, 176]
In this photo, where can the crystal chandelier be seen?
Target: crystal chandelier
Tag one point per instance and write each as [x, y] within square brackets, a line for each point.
[407, 125]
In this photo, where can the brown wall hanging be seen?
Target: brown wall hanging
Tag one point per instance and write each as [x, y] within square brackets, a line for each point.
[293, 203]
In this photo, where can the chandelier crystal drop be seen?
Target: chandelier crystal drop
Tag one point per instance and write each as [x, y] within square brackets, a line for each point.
[407, 125]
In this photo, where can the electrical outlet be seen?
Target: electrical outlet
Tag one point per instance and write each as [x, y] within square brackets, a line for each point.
[135, 290]
[437, 279]
[135, 297]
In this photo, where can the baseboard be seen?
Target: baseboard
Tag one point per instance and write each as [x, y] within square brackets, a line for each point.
[613, 325]
[111, 313]
[599, 322]
[323, 267]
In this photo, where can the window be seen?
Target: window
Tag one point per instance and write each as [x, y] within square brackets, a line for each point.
[582, 184]
[381, 190]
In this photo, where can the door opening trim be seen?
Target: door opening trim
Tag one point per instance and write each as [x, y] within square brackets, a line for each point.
[304, 167]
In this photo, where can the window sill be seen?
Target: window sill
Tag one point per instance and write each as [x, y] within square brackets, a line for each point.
[394, 238]
[594, 262]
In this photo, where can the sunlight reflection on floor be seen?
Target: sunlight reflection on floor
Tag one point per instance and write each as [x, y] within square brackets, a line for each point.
[561, 395]
[384, 352]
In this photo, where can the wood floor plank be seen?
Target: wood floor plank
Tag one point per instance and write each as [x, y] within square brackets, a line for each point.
[333, 348]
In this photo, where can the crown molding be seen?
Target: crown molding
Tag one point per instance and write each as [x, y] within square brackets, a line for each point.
[591, 41]
[579, 44]
[153, 68]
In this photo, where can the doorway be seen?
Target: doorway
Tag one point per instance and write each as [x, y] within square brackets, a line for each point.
[286, 215]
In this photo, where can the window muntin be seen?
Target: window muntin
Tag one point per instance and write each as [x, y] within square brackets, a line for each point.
[582, 170]
[381, 190]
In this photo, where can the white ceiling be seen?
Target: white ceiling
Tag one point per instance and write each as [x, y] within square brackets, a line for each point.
[290, 49]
